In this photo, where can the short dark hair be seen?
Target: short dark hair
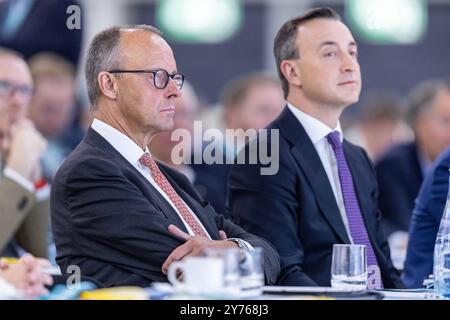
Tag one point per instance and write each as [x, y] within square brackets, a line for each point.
[104, 55]
[284, 43]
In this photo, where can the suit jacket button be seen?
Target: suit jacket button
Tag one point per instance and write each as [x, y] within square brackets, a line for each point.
[22, 203]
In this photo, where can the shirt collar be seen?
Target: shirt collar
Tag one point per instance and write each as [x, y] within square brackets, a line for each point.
[315, 129]
[121, 142]
[424, 163]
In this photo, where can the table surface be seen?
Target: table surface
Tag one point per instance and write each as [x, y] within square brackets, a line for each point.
[164, 291]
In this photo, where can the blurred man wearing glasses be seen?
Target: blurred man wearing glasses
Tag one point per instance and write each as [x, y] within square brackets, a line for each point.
[24, 205]
[116, 213]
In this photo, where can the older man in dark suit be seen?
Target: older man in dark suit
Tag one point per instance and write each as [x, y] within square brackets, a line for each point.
[116, 213]
[325, 190]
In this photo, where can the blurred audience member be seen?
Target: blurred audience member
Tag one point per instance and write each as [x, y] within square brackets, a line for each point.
[186, 112]
[429, 116]
[34, 26]
[250, 101]
[378, 124]
[425, 221]
[52, 106]
[400, 171]
[24, 279]
[24, 206]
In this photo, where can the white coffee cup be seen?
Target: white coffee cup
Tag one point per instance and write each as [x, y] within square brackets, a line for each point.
[201, 275]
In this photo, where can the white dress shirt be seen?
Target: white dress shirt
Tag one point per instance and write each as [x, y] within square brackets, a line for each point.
[8, 291]
[132, 152]
[317, 131]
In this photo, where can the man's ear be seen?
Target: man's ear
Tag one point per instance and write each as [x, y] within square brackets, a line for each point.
[291, 72]
[107, 85]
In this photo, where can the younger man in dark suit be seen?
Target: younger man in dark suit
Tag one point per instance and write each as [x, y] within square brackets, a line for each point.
[325, 190]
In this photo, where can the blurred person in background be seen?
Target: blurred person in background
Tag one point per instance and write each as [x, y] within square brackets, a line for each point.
[187, 111]
[378, 124]
[249, 103]
[31, 27]
[52, 110]
[24, 205]
[35, 26]
[187, 107]
[401, 170]
[52, 105]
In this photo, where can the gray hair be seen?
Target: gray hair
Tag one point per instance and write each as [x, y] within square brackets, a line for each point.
[421, 99]
[284, 43]
[104, 55]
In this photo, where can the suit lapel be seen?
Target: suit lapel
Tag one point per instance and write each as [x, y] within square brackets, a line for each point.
[306, 156]
[157, 199]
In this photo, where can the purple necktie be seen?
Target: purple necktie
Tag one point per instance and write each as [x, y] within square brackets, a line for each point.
[355, 220]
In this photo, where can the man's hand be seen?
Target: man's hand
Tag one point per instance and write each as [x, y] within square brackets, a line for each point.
[194, 246]
[26, 147]
[27, 276]
[4, 133]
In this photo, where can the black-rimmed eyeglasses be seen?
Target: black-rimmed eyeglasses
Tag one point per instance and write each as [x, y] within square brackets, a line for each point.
[160, 77]
[8, 89]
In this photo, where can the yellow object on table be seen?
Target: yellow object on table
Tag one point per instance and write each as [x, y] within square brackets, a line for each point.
[9, 260]
[118, 293]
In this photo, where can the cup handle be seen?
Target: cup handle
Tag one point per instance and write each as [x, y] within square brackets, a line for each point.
[172, 274]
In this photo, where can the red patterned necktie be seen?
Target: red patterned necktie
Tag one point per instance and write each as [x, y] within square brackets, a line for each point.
[164, 184]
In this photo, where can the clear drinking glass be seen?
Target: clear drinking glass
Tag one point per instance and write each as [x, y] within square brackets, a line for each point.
[230, 258]
[251, 269]
[349, 267]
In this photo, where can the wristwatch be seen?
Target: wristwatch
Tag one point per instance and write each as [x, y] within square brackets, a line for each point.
[241, 244]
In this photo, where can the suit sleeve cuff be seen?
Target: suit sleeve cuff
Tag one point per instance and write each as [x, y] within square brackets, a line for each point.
[21, 180]
[242, 243]
[7, 290]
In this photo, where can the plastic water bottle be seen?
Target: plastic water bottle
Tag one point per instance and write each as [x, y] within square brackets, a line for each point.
[441, 267]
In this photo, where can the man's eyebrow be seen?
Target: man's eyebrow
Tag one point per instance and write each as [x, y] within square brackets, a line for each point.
[328, 43]
[334, 43]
